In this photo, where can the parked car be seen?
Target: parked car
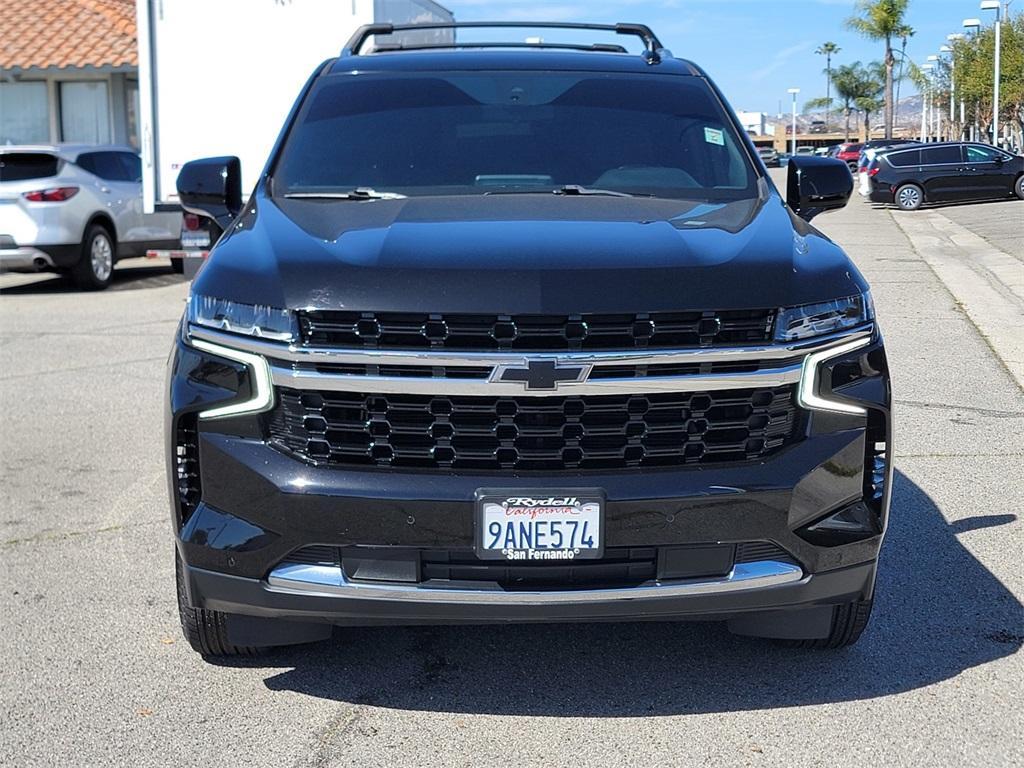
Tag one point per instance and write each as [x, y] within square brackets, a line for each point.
[867, 154]
[411, 387]
[770, 156]
[944, 172]
[77, 210]
[818, 126]
[805, 150]
[849, 153]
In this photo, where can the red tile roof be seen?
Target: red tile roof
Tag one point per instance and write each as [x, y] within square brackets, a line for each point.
[67, 34]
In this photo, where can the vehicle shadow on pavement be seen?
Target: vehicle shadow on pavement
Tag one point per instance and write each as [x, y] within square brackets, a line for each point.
[123, 279]
[1004, 201]
[938, 612]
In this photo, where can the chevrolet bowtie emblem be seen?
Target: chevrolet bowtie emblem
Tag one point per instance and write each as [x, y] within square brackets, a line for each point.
[541, 374]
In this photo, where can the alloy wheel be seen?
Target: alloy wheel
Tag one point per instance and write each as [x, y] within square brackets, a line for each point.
[909, 197]
[102, 257]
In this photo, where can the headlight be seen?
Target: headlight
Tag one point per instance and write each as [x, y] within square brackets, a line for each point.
[808, 320]
[249, 319]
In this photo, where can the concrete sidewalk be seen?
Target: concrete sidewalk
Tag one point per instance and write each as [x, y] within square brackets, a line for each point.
[986, 280]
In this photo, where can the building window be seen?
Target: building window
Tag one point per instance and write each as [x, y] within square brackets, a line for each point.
[85, 112]
[131, 106]
[24, 113]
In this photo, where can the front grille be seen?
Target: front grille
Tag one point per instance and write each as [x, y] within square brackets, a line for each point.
[532, 433]
[658, 330]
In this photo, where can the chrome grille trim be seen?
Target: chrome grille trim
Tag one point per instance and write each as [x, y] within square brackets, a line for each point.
[297, 353]
[330, 581]
[772, 377]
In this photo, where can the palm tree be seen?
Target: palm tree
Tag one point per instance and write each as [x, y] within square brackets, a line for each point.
[881, 20]
[826, 50]
[847, 81]
[872, 83]
[903, 33]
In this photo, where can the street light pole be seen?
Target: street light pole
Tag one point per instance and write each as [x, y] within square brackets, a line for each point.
[972, 25]
[924, 102]
[933, 61]
[952, 87]
[995, 5]
[792, 150]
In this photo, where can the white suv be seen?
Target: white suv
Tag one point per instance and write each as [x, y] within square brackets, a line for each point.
[77, 210]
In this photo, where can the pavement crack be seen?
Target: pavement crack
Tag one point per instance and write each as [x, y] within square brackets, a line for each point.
[994, 413]
[94, 366]
[48, 536]
[326, 740]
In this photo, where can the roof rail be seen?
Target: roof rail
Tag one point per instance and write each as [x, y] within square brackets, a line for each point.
[653, 49]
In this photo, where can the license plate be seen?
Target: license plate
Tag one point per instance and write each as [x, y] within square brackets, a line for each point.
[195, 239]
[523, 526]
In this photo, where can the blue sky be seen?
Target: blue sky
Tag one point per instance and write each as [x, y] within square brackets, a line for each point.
[754, 49]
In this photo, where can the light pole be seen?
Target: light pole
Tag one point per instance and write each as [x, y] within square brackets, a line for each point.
[933, 61]
[973, 25]
[926, 68]
[792, 150]
[952, 87]
[995, 5]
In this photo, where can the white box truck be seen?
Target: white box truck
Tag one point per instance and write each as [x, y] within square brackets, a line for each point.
[218, 77]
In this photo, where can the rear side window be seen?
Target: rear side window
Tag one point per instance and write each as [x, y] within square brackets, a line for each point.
[904, 159]
[981, 154]
[941, 155]
[106, 165]
[131, 165]
[22, 166]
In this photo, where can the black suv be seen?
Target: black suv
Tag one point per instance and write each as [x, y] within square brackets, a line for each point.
[523, 332]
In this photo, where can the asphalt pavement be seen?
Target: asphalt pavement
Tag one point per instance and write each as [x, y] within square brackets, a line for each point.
[95, 671]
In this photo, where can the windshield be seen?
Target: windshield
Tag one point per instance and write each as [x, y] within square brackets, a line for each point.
[507, 132]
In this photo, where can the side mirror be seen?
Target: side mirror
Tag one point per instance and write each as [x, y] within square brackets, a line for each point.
[212, 187]
[816, 185]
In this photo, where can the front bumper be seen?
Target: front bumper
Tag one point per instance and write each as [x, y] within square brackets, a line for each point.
[259, 506]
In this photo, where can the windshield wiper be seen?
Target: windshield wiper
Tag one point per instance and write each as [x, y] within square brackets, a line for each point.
[568, 189]
[576, 189]
[359, 193]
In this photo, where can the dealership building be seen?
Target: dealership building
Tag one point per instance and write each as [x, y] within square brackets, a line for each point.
[68, 72]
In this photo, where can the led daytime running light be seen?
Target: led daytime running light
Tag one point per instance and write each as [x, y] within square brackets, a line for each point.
[263, 391]
[807, 392]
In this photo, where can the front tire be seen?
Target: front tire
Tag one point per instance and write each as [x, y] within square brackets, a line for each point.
[848, 623]
[205, 630]
[95, 266]
[909, 197]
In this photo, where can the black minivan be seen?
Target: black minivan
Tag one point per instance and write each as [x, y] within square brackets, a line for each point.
[945, 172]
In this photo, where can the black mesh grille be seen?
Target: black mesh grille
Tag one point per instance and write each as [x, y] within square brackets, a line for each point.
[533, 433]
[186, 457]
[659, 330]
[620, 567]
[754, 551]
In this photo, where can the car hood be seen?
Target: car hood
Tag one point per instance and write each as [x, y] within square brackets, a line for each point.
[525, 254]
